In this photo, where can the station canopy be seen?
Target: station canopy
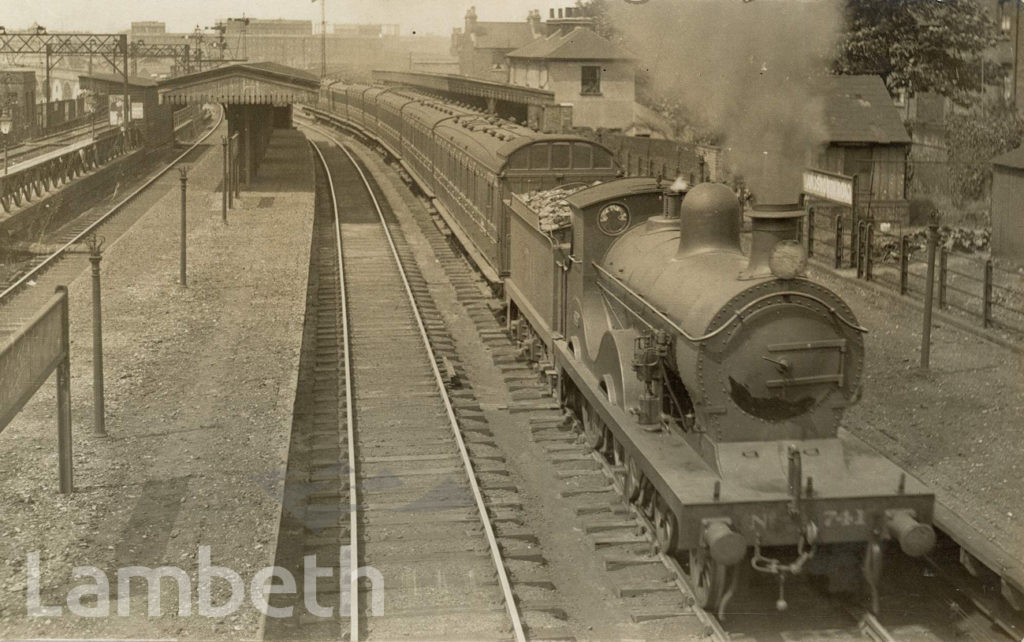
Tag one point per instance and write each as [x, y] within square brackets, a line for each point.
[259, 83]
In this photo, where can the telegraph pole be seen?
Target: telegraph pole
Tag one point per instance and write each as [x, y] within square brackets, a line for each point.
[323, 39]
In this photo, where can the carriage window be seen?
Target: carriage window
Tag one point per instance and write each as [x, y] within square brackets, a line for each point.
[602, 159]
[560, 156]
[582, 156]
[519, 160]
[539, 157]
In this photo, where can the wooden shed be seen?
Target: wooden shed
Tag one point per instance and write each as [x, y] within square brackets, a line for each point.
[867, 139]
[157, 123]
[1008, 206]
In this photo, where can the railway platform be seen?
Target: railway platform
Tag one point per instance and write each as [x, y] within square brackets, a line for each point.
[955, 426]
[200, 384]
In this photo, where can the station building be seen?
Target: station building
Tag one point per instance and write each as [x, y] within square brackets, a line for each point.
[155, 121]
[584, 70]
[294, 43]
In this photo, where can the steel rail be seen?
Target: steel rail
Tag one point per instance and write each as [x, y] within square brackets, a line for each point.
[716, 632]
[353, 518]
[52, 258]
[510, 603]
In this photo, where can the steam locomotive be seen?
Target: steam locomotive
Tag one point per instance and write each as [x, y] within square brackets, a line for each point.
[714, 380]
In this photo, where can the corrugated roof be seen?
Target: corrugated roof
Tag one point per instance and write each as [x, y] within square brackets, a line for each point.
[578, 44]
[283, 70]
[502, 35]
[858, 109]
[1013, 158]
[117, 79]
[269, 69]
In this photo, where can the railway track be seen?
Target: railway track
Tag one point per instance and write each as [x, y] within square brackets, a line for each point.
[380, 478]
[644, 591]
[923, 603]
[20, 294]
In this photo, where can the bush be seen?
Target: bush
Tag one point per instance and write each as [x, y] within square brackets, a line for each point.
[974, 139]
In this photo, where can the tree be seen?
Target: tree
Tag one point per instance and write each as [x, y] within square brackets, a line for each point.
[920, 45]
[974, 139]
[603, 25]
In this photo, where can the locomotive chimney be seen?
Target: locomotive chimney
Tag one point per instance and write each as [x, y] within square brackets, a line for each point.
[673, 198]
[770, 225]
[709, 221]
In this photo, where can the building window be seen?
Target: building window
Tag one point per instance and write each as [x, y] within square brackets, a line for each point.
[590, 80]
[1006, 25]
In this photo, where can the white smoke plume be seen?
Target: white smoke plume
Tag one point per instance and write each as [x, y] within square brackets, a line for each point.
[753, 70]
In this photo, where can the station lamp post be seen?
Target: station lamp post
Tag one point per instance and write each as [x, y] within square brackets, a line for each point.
[90, 108]
[6, 120]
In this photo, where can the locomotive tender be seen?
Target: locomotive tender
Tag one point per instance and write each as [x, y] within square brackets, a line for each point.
[714, 380]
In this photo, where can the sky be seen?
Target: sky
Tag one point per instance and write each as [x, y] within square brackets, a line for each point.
[422, 16]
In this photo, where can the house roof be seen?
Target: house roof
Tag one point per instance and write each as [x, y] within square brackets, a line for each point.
[578, 44]
[858, 109]
[1013, 158]
[501, 35]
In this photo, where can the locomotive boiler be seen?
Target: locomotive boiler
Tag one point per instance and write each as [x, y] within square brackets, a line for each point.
[715, 379]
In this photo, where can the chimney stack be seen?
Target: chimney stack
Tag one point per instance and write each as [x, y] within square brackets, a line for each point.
[770, 224]
[673, 198]
[533, 18]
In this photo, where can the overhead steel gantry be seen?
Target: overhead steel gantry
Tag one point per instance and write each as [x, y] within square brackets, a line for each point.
[180, 54]
[112, 47]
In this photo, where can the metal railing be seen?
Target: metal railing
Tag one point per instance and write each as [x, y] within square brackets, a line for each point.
[38, 176]
[975, 285]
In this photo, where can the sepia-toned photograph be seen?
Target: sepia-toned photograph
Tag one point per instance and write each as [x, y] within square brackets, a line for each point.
[482, 320]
